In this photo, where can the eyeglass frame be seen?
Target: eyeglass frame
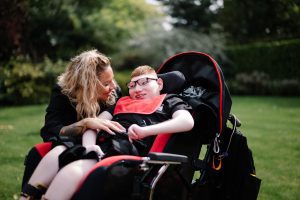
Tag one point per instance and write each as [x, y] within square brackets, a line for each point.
[140, 84]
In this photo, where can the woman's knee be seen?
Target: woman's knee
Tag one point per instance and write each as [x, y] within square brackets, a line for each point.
[73, 173]
[59, 149]
[76, 170]
[56, 151]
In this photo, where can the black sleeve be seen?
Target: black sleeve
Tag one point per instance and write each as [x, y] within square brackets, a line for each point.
[174, 103]
[110, 109]
[59, 113]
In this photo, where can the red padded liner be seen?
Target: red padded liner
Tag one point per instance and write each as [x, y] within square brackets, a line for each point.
[108, 161]
[43, 148]
[140, 106]
[160, 142]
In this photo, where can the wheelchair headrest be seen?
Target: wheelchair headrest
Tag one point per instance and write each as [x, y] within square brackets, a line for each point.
[174, 82]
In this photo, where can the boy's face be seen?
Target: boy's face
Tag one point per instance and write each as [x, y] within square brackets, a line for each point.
[146, 86]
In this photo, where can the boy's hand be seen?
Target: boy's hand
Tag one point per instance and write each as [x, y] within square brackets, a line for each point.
[136, 132]
[95, 148]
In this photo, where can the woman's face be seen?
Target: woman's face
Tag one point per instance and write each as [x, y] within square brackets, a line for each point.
[106, 79]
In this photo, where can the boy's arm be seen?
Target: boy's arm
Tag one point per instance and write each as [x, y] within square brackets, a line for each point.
[89, 142]
[181, 121]
[89, 136]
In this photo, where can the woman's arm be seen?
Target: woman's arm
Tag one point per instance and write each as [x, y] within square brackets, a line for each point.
[61, 119]
[181, 121]
[102, 122]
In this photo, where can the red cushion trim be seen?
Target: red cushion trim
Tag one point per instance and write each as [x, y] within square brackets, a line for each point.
[106, 162]
[43, 148]
[220, 94]
[160, 142]
[110, 160]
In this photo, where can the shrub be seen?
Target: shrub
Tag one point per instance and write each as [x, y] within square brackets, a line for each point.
[286, 87]
[24, 82]
[122, 77]
[279, 59]
[260, 83]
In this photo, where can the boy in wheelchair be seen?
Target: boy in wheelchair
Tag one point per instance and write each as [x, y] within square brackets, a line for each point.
[144, 114]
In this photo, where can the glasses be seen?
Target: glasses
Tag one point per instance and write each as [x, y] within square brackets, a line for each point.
[140, 82]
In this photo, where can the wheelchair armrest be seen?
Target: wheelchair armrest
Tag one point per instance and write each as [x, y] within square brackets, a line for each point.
[167, 157]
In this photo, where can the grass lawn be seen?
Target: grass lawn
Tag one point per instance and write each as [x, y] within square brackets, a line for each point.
[271, 124]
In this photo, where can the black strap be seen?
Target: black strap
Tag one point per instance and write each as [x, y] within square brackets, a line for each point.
[118, 144]
[201, 165]
[70, 155]
[74, 153]
[67, 141]
[32, 192]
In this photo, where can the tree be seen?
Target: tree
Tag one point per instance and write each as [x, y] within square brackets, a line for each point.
[120, 20]
[242, 21]
[11, 27]
[157, 44]
[61, 28]
[192, 14]
[248, 20]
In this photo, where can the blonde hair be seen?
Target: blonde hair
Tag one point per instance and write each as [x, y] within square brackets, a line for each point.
[141, 70]
[80, 82]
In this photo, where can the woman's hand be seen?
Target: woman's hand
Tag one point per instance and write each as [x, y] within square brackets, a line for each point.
[80, 127]
[103, 124]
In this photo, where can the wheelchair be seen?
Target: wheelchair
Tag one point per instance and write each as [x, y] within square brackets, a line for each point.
[169, 170]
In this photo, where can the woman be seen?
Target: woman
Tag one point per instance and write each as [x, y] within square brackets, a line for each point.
[82, 92]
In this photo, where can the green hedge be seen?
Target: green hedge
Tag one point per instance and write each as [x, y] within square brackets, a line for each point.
[122, 77]
[279, 59]
[23, 82]
[258, 83]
